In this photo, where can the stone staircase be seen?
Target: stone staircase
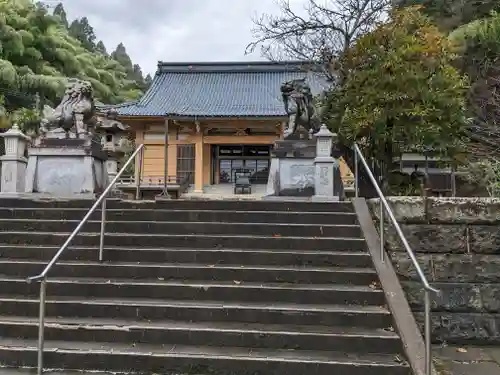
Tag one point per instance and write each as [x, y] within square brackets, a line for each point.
[196, 287]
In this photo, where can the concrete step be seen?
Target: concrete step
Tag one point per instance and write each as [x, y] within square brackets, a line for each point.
[191, 241]
[240, 257]
[233, 291]
[174, 359]
[249, 335]
[201, 311]
[192, 271]
[178, 228]
[5, 370]
[174, 204]
[195, 215]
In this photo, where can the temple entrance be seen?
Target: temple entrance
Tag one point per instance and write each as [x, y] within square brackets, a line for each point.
[230, 160]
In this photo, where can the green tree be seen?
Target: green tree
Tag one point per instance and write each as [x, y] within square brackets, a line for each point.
[402, 91]
[450, 14]
[37, 55]
[26, 118]
[478, 44]
[26, 31]
[101, 48]
[134, 71]
[148, 80]
[120, 54]
[84, 32]
[60, 12]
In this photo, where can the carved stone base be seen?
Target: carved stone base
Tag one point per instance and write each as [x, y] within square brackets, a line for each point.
[293, 171]
[291, 177]
[66, 168]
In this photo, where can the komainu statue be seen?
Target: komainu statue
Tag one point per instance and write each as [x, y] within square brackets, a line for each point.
[74, 114]
[299, 105]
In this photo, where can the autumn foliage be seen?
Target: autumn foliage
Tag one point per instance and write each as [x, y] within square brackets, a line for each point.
[401, 91]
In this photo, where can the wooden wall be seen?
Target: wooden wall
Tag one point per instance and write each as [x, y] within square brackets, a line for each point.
[151, 133]
[154, 165]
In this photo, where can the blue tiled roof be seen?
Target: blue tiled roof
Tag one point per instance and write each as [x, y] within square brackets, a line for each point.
[220, 89]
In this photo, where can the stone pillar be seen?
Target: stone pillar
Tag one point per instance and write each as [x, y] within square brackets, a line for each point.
[13, 162]
[112, 166]
[324, 167]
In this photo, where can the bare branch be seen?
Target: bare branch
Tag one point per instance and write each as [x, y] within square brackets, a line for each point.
[321, 33]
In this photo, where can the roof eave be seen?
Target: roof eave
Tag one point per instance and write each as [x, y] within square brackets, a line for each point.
[205, 117]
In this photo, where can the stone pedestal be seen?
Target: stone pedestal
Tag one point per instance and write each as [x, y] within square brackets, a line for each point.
[305, 168]
[66, 168]
[291, 172]
[14, 161]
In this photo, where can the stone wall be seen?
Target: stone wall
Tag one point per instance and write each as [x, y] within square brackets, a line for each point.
[457, 241]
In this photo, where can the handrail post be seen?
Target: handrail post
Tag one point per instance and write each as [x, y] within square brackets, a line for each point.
[356, 178]
[427, 328]
[381, 232]
[139, 175]
[392, 220]
[453, 181]
[41, 325]
[42, 277]
[103, 230]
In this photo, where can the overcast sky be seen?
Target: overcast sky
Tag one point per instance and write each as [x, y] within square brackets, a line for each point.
[174, 30]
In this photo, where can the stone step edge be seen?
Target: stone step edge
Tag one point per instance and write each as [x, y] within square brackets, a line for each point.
[202, 284]
[358, 253]
[8, 370]
[130, 210]
[146, 235]
[220, 327]
[246, 224]
[136, 302]
[194, 352]
[333, 270]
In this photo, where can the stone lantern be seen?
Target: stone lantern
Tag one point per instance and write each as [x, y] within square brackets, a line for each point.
[326, 168]
[14, 161]
[112, 133]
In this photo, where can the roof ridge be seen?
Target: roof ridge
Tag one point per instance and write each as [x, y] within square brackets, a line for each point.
[223, 63]
[236, 67]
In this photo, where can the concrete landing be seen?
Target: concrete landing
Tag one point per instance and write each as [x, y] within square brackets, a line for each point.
[225, 192]
[452, 360]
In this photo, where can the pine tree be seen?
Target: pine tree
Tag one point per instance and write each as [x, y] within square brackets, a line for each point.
[120, 54]
[61, 13]
[101, 48]
[84, 32]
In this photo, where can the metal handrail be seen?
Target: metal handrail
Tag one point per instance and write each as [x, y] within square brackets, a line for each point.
[42, 277]
[358, 155]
